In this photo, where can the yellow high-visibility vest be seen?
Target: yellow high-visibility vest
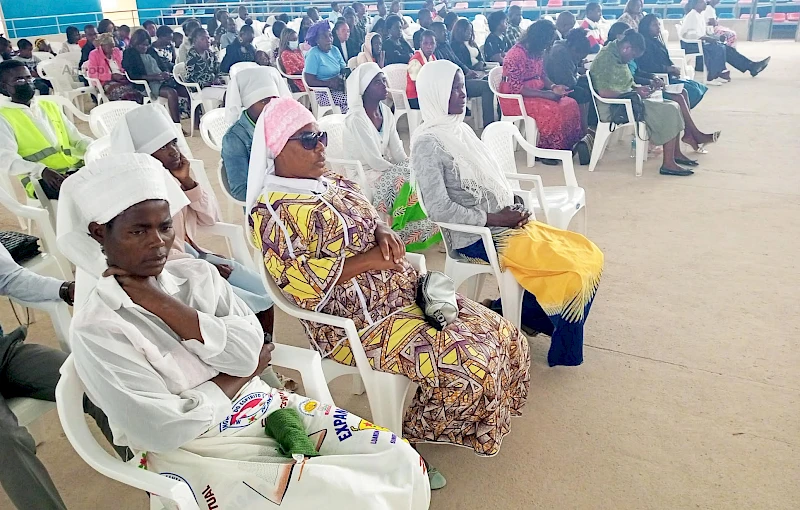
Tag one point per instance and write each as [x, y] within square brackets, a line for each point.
[32, 144]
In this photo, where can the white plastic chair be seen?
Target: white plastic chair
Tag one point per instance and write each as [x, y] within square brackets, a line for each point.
[603, 132]
[317, 109]
[302, 97]
[60, 72]
[96, 87]
[49, 261]
[336, 156]
[396, 75]
[386, 392]
[528, 122]
[213, 127]
[147, 91]
[69, 398]
[460, 270]
[43, 55]
[195, 95]
[561, 203]
[67, 106]
[104, 117]
[97, 149]
[697, 52]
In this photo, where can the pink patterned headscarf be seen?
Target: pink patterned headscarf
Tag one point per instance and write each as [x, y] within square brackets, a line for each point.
[281, 118]
[287, 116]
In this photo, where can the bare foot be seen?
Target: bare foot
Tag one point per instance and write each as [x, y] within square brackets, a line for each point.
[689, 140]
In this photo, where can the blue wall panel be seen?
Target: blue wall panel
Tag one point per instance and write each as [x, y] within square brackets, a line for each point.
[49, 15]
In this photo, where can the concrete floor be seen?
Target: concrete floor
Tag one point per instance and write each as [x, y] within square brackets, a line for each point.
[689, 396]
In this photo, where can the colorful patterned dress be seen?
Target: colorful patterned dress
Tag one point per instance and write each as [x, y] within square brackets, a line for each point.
[472, 376]
[559, 122]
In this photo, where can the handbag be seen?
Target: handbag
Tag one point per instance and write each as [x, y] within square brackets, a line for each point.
[436, 296]
[21, 246]
[619, 115]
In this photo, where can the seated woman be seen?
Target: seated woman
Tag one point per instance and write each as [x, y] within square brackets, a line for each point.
[612, 77]
[325, 246]
[240, 50]
[557, 116]
[563, 65]
[459, 181]
[633, 15]
[655, 59]
[290, 58]
[324, 66]
[497, 44]
[188, 26]
[395, 48]
[715, 53]
[248, 93]
[422, 56]
[163, 48]
[202, 66]
[173, 355]
[105, 65]
[142, 66]
[305, 24]
[148, 130]
[371, 50]
[462, 40]
[371, 136]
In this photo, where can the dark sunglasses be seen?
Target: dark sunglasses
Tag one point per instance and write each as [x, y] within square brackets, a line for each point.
[309, 139]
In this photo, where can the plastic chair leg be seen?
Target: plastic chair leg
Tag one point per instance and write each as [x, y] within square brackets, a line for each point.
[600, 141]
[358, 385]
[389, 408]
[641, 151]
[475, 285]
[511, 295]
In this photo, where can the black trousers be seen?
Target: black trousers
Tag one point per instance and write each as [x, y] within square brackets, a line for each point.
[480, 88]
[732, 57]
[582, 95]
[31, 370]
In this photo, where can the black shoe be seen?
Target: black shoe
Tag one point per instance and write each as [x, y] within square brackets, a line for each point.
[548, 161]
[686, 162]
[759, 66]
[683, 172]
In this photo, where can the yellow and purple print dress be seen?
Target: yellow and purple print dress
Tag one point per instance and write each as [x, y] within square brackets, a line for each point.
[473, 376]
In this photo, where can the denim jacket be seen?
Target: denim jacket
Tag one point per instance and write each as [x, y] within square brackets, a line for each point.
[236, 145]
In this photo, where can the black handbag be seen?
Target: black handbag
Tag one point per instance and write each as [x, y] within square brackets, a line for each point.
[619, 114]
[21, 246]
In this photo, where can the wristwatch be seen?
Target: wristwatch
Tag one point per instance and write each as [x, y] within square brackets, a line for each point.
[64, 292]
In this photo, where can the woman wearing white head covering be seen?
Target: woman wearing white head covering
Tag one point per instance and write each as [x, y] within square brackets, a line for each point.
[146, 130]
[371, 51]
[172, 354]
[371, 137]
[459, 180]
[248, 92]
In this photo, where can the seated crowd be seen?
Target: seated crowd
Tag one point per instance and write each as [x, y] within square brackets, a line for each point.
[174, 342]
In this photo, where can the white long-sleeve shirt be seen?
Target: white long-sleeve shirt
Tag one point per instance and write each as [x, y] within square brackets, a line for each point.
[20, 283]
[693, 26]
[156, 388]
[12, 163]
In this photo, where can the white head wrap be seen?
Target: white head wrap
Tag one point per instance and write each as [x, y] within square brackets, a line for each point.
[146, 129]
[100, 192]
[250, 85]
[357, 83]
[478, 170]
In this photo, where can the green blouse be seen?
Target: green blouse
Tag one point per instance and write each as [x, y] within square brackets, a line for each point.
[609, 72]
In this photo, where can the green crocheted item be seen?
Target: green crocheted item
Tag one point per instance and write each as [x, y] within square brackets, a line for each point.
[286, 427]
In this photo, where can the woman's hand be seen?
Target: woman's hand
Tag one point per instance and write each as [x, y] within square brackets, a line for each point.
[224, 270]
[514, 216]
[657, 83]
[551, 95]
[184, 175]
[644, 92]
[390, 244]
[140, 289]
[561, 90]
[264, 359]
[119, 77]
[673, 71]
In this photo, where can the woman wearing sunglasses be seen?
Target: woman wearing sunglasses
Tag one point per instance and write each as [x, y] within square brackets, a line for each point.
[325, 246]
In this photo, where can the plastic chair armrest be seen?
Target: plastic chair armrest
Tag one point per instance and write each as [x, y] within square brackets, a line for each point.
[309, 364]
[235, 235]
[564, 156]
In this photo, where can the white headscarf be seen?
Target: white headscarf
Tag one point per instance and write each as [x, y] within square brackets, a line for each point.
[146, 129]
[478, 170]
[359, 126]
[250, 85]
[100, 192]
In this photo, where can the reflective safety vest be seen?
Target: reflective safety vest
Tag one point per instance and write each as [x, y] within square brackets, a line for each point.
[32, 144]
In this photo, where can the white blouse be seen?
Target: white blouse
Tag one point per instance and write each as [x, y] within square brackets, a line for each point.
[693, 26]
[155, 387]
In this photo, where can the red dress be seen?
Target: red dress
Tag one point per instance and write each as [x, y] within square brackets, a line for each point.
[293, 63]
[559, 122]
